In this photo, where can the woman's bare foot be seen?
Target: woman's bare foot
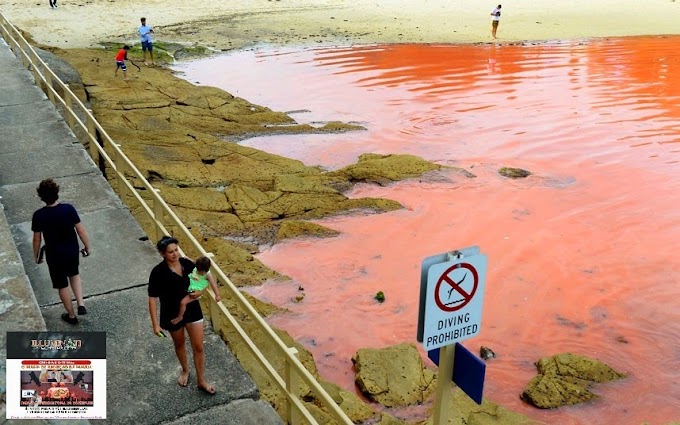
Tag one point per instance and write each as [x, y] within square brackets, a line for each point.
[183, 379]
[176, 320]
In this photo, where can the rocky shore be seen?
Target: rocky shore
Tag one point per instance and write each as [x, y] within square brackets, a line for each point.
[233, 198]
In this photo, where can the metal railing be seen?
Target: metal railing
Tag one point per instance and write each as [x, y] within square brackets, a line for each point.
[90, 132]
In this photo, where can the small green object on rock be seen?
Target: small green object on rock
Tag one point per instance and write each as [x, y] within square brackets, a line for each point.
[514, 173]
[380, 296]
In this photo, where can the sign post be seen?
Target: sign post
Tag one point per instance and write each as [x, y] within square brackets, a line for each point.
[451, 299]
[442, 399]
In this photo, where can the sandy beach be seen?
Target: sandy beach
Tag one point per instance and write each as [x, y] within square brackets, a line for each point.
[231, 24]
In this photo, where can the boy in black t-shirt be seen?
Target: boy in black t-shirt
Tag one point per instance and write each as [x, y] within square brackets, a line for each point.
[60, 225]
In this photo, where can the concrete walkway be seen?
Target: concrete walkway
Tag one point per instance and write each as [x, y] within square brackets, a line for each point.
[35, 143]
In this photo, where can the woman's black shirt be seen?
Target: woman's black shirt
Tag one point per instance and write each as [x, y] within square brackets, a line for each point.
[170, 288]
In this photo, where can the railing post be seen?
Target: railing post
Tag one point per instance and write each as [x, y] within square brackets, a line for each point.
[120, 171]
[92, 140]
[38, 81]
[69, 109]
[50, 94]
[292, 385]
[159, 215]
[24, 55]
[215, 312]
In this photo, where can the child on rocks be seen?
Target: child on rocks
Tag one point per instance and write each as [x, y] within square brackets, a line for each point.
[199, 279]
[121, 57]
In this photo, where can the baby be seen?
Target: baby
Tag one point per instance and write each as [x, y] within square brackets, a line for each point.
[199, 279]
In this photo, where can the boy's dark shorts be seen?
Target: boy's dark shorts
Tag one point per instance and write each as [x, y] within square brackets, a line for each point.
[121, 65]
[60, 271]
[147, 45]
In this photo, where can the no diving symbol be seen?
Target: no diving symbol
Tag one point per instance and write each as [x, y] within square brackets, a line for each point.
[456, 292]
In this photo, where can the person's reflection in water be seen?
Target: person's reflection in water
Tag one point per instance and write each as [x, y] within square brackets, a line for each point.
[492, 59]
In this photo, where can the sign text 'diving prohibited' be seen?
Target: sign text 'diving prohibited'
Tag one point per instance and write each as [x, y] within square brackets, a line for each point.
[453, 297]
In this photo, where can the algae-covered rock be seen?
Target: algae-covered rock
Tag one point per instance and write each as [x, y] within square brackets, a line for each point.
[357, 410]
[295, 183]
[514, 173]
[293, 229]
[551, 391]
[393, 376]
[387, 419]
[199, 198]
[238, 264]
[211, 223]
[581, 367]
[340, 127]
[464, 411]
[487, 413]
[566, 379]
[380, 297]
[385, 169]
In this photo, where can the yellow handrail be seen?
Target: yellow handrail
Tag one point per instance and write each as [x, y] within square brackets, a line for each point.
[296, 411]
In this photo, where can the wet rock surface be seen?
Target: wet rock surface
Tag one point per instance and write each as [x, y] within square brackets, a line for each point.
[385, 169]
[566, 379]
[394, 376]
[514, 173]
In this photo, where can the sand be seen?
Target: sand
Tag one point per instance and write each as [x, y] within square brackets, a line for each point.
[231, 24]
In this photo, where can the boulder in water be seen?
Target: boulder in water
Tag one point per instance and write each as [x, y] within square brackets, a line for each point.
[566, 379]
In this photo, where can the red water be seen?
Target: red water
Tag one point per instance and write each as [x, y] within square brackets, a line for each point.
[582, 254]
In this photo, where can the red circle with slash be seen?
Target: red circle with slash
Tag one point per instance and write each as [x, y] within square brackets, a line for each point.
[455, 287]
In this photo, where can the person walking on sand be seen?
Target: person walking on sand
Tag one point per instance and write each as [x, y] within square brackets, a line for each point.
[60, 225]
[121, 57]
[145, 32]
[495, 18]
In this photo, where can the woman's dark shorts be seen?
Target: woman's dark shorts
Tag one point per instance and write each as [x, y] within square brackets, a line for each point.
[192, 314]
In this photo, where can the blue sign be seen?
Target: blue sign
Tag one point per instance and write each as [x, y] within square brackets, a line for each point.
[468, 371]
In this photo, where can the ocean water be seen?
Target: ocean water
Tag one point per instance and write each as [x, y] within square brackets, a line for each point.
[582, 254]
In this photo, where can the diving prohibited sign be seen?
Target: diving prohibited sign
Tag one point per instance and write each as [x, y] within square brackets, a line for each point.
[451, 297]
